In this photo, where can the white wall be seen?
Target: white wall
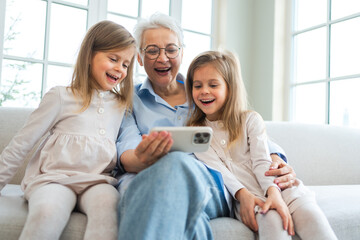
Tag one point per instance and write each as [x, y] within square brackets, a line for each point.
[250, 32]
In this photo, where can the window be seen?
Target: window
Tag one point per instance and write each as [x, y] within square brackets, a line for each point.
[42, 38]
[197, 30]
[326, 62]
[39, 47]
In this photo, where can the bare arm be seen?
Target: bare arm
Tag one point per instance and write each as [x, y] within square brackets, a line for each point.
[150, 149]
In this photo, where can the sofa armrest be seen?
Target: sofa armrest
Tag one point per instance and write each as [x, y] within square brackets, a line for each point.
[11, 121]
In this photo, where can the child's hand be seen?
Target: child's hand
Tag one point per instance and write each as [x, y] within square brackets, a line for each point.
[247, 204]
[275, 201]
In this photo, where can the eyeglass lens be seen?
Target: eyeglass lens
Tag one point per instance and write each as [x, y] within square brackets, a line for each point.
[153, 51]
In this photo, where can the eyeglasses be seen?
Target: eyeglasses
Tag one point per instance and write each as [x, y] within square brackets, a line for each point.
[153, 51]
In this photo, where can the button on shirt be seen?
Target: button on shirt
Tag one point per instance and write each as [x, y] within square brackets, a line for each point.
[101, 110]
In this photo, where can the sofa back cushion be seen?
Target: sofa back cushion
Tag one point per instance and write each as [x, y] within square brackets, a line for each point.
[320, 154]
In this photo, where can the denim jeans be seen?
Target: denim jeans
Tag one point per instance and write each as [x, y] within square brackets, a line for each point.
[175, 198]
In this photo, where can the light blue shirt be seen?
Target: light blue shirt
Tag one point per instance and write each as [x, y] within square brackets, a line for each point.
[150, 110]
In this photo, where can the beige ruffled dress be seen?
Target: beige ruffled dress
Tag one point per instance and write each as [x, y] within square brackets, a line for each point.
[77, 149]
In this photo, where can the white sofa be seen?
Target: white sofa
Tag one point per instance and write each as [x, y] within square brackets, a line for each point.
[326, 158]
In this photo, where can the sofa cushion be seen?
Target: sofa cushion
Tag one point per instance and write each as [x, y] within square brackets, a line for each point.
[13, 212]
[339, 203]
[320, 154]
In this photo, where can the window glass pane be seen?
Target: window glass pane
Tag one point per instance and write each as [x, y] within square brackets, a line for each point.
[141, 70]
[310, 56]
[151, 6]
[25, 28]
[126, 7]
[345, 48]
[66, 33]
[342, 8]
[310, 103]
[197, 44]
[344, 103]
[127, 23]
[195, 20]
[20, 84]
[81, 2]
[310, 13]
[58, 76]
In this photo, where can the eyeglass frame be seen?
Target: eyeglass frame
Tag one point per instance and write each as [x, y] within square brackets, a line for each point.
[153, 45]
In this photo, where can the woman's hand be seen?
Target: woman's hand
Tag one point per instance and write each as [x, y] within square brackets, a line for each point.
[284, 172]
[275, 201]
[153, 147]
[150, 149]
[247, 205]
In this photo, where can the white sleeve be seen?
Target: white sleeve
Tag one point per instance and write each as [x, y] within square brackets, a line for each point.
[38, 124]
[259, 150]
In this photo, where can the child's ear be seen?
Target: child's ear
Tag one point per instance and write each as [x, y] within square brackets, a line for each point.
[140, 61]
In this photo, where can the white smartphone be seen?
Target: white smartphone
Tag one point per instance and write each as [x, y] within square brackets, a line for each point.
[188, 139]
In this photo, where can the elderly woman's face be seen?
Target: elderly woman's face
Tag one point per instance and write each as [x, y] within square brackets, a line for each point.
[161, 70]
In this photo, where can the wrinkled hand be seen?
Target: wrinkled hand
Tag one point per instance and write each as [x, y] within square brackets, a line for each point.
[285, 173]
[275, 201]
[248, 201]
[153, 147]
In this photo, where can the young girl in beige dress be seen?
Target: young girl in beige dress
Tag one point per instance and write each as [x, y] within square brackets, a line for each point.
[239, 151]
[78, 126]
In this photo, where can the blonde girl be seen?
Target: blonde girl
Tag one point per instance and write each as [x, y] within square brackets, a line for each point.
[78, 126]
[240, 152]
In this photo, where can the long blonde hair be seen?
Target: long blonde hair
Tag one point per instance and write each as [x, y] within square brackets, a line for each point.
[228, 66]
[103, 36]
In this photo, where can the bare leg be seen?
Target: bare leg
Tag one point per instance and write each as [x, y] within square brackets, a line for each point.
[50, 207]
[99, 203]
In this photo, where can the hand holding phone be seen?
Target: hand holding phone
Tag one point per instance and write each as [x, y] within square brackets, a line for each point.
[188, 139]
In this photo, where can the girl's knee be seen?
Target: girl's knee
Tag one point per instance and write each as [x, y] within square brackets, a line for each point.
[100, 196]
[45, 211]
[271, 219]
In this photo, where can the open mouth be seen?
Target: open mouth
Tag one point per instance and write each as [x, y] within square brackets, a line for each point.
[162, 70]
[207, 101]
[113, 77]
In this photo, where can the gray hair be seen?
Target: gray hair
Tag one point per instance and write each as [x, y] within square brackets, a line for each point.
[157, 20]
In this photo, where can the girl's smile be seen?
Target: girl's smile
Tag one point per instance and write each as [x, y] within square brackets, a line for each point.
[209, 91]
[110, 68]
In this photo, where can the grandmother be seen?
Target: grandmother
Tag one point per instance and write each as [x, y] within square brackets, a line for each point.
[172, 195]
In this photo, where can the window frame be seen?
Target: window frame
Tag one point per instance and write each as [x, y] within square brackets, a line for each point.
[328, 79]
[96, 11]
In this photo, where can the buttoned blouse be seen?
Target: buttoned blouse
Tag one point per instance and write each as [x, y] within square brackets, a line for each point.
[245, 162]
[77, 148]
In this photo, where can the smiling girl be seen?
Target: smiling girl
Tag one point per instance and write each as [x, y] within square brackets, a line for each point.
[239, 150]
[78, 126]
